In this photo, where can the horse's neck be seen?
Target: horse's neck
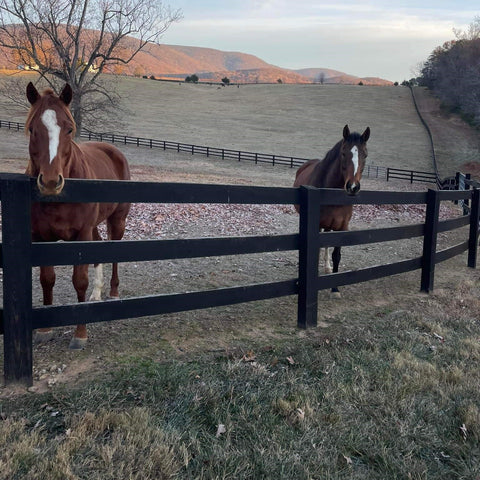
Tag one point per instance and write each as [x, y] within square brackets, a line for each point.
[329, 172]
[76, 166]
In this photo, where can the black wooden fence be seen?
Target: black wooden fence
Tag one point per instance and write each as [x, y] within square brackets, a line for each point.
[371, 171]
[19, 254]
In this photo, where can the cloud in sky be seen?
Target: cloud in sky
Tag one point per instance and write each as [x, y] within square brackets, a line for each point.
[363, 38]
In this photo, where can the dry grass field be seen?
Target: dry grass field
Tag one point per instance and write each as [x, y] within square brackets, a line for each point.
[298, 120]
[385, 388]
[293, 120]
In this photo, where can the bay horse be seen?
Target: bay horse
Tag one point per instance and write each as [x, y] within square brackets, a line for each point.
[342, 167]
[54, 156]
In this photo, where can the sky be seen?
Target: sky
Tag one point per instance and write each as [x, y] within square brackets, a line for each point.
[365, 38]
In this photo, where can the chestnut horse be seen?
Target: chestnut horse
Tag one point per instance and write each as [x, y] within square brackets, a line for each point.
[54, 156]
[342, 167]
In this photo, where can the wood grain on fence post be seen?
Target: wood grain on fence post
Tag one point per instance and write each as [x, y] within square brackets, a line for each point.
[430, 240]
[308, 257]
[473, 236]
[17, 278]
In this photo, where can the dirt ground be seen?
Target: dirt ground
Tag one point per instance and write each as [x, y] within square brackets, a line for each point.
[226, 328]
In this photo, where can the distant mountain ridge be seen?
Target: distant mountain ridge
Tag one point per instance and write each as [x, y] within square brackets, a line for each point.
[212, 65]
[209, 64]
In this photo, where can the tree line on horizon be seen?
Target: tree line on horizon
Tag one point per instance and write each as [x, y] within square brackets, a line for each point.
[452, 73]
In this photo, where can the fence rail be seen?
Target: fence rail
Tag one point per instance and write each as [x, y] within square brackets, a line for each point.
[410, 175]
[371, 171]
[19, 254]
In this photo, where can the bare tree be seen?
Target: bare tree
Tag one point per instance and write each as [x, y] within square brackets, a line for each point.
[472, 33]
[75, 41]
[452, 72]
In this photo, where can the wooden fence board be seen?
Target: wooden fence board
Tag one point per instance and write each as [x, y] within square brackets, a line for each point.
[93, 312]
[78, 253]
[450, 252]
[371, 273]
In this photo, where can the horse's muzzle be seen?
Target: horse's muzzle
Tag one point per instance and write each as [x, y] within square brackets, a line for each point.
[51, 187]
[352, 188]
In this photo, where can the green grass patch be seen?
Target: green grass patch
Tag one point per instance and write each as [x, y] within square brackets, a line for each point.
[389, 398]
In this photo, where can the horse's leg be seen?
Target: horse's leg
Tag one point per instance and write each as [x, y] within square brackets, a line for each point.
[336, 256]
[47, 280]
[98, 283]
[326, 258]
[80, 282]
[116, 229]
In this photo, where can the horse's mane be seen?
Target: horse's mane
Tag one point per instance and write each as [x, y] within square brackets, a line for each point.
[46, 99]
[332, 154]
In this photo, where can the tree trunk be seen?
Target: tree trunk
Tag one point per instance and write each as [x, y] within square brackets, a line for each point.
[76, 108]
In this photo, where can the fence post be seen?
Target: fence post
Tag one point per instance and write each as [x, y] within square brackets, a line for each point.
[473, 237]
[388, 173]
[308, 257]
[430, 240]
[467, 203]
[17, 278]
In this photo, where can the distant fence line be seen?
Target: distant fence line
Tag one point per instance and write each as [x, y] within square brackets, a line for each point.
[427, 128]
[371, 171]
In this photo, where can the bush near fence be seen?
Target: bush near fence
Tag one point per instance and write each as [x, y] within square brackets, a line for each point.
[19, 254]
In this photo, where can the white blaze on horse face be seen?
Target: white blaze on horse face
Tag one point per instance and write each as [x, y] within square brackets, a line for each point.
[355, 159]
[49, 119]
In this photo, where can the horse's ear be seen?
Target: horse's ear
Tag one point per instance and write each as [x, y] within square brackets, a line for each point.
[32, 93]
[66, 95]
[346, 132]
[366, 135]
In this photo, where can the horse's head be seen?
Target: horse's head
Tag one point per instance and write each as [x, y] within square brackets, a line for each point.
[353, 153]
[51, 128]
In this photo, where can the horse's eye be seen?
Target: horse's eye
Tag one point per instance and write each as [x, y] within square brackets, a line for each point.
[30, 129]
[70, 130]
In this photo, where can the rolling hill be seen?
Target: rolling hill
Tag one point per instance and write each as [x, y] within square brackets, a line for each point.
[178, 62]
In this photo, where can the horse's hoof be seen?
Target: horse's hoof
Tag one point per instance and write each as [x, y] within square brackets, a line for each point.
[335, 295]
[42, 336]
[328, 270]
[77, 343]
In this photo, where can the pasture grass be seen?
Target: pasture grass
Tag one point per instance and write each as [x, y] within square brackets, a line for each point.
[388, 394]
